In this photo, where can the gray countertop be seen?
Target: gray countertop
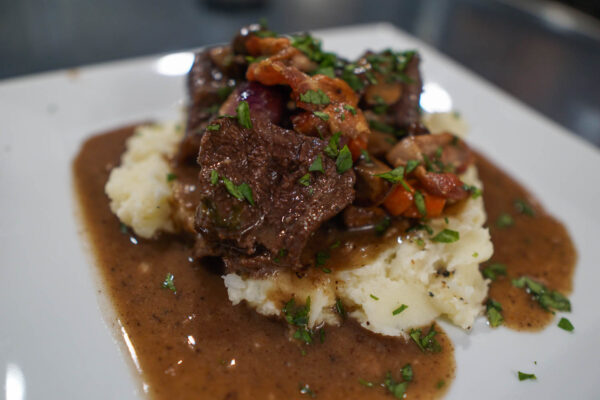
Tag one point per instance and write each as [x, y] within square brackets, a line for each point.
[542, 53]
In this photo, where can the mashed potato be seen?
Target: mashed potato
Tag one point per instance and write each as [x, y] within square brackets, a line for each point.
[139, 189]
[432, 279]
[437, 279]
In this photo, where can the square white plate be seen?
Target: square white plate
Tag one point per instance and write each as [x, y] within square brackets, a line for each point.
[58, 339]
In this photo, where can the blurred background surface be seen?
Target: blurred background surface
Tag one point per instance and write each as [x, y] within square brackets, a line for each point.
[545, 53]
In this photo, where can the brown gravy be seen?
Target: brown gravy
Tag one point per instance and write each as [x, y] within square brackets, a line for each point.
[538, 246]
[195, 344]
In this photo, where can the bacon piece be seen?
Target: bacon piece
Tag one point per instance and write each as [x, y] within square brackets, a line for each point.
[445, 184]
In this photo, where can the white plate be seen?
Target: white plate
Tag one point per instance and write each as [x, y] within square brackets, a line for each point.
[57, 339]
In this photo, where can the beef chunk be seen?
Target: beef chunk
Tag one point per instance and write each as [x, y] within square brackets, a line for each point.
[361, 217]
[406, 109]
[271, 160]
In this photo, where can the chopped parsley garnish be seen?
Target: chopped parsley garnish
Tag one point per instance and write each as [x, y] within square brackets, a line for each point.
[317, 165]
[339, 307]
[224, 92]
[524, 208]
[305, 389]
[523, 376]
[381, 127]
[350, 108]
[304, 180]
[282, 253]
[549, 299]
[213, 127]
[446, 236]
[321, 258]
[343, 161]
[123, 228]
[475, 254]
[336, 244]
[240, 192]
[440, 384]
[407, 373]
[397, 389]
[492, 270]
[475, 191]
[365, 383]
[411, 165]
[420, 203]
[317, 97]
[322, 115]
[168, 283]
[399, 309]
[382, 226]
[493, 311]
[326, 270]
[426, 343]
[332, 149]
[246, 191]
[298, 316]
[214, 177]
[243, 114]
[566, 325]
[171, 177]
[374, 297]
[420, 242]
[327, 71]
[366, 156]
[504, 221]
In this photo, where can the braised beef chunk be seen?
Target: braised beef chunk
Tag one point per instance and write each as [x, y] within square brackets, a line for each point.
[361, 217]
[406, 109]
[286, 208]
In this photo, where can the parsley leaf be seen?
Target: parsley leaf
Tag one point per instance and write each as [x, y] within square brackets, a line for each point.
[523, 376]
[298, 316]
[426, 343]
[171, 177]
[332, 149]
[246, 191]
[420, 203]
[280, 254]
[344, 160]
[304, 180]
[566, 325]
[399, 309]
[374, 297]
[407, 373]
[339, 307]
[315, 97]
[232, 188]
[504, 221]
[168, 283]
[446, 236]
[317, 165]
[397, 389]
[366, 156]
[382, 226]
[243, 115]
[475, 191]
[350, 108]
[322, 115]
[411, 165]
[492, 270]
[493, 311]
[321, 258]
[213, 127]
[214, 177]
[549, 299]
[524, 208]
[365, 383]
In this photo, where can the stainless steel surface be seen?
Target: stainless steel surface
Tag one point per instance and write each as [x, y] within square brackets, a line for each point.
[546, 55]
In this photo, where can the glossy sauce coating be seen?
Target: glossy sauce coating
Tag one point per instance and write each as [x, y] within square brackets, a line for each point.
[194, 344]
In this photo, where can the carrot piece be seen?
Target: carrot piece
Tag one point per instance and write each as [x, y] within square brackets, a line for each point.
[356, 145]
[398, 200]
[434, 206]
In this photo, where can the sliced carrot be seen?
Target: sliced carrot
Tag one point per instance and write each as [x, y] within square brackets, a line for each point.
[434, 206]
[398, 200]
[356, 146]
